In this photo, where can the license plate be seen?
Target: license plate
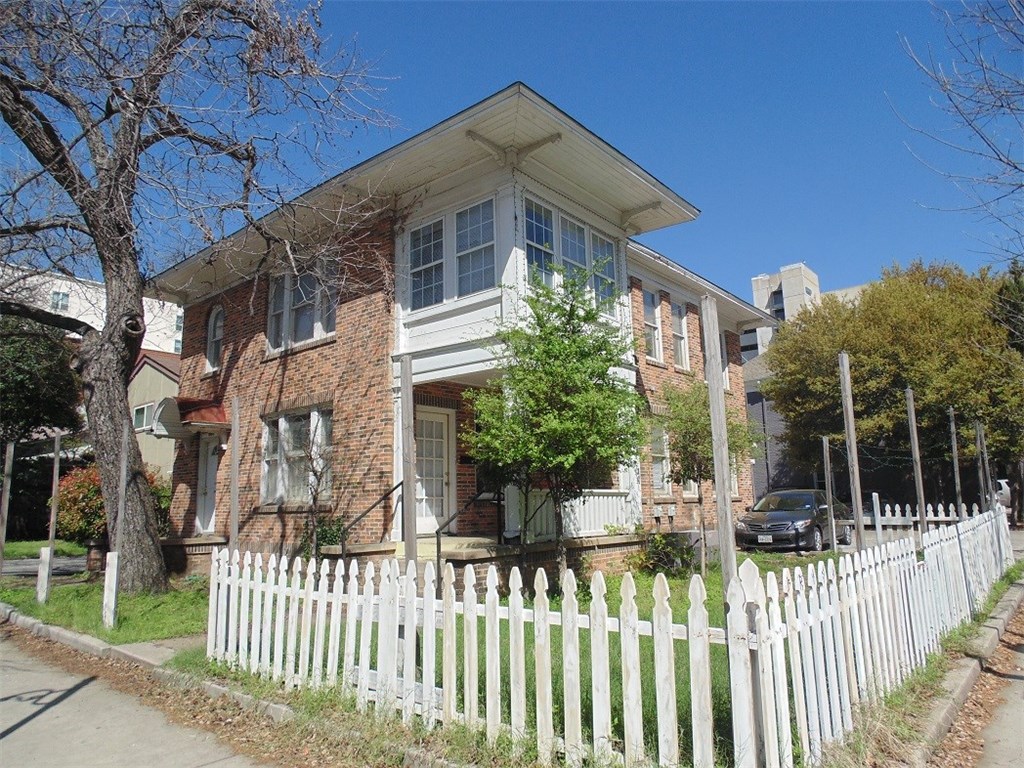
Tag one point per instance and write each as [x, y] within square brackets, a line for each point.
[764, 538]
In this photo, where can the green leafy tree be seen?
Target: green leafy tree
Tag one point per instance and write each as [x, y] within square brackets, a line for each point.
[37, 386]
[926, 327]
[691, 450]
[560, 417]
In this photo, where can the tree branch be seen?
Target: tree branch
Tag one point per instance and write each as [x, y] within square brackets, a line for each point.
[65, 323]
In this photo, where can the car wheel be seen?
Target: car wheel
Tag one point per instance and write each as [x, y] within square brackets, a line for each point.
[819, 542]
[847, 537]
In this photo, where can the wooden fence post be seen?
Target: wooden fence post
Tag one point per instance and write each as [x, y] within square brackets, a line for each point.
[46, 562]
[851, 447]
[5, 499]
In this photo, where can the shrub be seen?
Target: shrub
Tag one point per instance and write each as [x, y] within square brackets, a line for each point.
[80, 512]
[662, 554]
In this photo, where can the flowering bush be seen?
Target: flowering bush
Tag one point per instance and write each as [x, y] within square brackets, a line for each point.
[80, 513]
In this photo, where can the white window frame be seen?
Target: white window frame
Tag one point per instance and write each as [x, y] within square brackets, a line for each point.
[652, 331]
[59, 301]
[680, 336]
[423, 267]
[214, 339]
[474, 249]
[324, 310]
[561, 222]
[690, 490]
[545, 249]
[724, 350]
[734, 476]
[147, 417]
[275, 458]
[661, 482]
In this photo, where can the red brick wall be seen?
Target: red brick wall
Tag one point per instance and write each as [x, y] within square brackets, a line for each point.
[652, 378]
[349, 372]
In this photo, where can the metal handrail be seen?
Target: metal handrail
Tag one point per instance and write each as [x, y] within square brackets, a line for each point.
[444, 526]
[364, 513]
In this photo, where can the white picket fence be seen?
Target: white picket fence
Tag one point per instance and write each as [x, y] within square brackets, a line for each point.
[907, 516]
[580, 684]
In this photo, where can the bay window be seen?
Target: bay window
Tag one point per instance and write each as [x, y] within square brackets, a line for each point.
[540, 242]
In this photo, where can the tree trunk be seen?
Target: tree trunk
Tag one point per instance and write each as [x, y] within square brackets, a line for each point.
[563, 564]
[105, 361]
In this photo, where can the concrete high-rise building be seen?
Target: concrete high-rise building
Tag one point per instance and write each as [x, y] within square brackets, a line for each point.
[782, 295]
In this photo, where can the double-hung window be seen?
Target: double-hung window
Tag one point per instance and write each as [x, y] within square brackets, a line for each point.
[297, 457]
[214, 338]
[59, 301]
[725, 361]
[474, 248]
[680, 336]
[302, 308]
[553, 238]
[652, 325]
[540, 242]
[661, 482]
[603, 260]
[426, 264]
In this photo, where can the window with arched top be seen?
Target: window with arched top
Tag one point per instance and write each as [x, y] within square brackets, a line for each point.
[214, 338]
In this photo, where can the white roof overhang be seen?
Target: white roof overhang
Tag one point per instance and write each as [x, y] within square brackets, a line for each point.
[515, 127]
[733, 312]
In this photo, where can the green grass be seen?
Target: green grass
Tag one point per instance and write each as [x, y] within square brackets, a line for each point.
[962, 639]
[22, 550]
[182, 610]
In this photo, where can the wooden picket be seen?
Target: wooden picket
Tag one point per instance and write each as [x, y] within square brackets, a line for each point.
[804, 652]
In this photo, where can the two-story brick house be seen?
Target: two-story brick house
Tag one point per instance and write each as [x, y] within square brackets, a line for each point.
[509, 187]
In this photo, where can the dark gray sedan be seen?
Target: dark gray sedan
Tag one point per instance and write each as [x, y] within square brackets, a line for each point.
[793, 519]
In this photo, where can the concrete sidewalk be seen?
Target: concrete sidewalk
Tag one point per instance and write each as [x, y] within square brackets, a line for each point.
[1004, 736]
[50, 718]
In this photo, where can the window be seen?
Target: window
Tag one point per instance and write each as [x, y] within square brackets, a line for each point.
[426, 264]
[474, 248]
[660, 482]
[734, 476]
[297, 457]
[576, 247]
[725, 361]
[177, 346]
[302, 308]
[214, 338]
[540, 242]
[604, 270]
[680, 337]
[690, 488]
[59, 301]
[179, 322]
[652, 325]
[142, 416]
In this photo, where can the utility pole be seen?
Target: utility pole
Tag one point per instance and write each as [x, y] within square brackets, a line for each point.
[828, 489]
[960, 512]
[851, 447]
[915, 451]
[719, 439]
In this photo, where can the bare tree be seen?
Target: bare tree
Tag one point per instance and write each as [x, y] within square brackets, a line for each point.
[141, 131]
[982, 90]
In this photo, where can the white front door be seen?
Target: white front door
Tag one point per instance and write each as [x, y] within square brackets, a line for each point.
[206, 495]
[435, 470]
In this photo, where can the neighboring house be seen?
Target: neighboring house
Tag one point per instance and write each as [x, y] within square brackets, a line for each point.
[86, 300]
[507, 187]
[153, 379]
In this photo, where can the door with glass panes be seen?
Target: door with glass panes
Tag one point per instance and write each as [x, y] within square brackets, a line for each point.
[435, 471]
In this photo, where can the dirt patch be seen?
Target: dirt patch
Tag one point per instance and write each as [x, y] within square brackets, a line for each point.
[963, 745]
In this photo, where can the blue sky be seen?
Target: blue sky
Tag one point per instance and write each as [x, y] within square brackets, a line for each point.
[783, 122]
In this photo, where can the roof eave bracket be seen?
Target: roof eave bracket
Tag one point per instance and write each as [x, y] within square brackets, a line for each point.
[632, 213]
[511, 156]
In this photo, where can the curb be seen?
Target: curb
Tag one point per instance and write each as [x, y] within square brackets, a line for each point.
[960, 680]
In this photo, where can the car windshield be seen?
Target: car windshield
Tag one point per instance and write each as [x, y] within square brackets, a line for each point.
[790, 500]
